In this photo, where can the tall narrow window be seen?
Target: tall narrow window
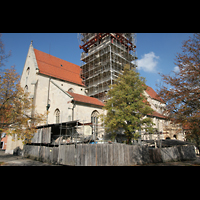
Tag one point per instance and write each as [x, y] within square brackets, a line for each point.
[26, 89]
[27, 71]
[94, 121]
[57, 114]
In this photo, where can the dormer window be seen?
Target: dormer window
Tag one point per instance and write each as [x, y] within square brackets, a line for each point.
[71, 90]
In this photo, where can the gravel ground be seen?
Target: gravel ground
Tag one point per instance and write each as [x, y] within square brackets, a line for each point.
[12, 160]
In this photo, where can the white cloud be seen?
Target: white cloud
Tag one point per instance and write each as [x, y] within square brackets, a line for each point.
[148, 62]
[176, 69]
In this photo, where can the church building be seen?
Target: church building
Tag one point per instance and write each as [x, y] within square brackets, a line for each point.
[56, 85]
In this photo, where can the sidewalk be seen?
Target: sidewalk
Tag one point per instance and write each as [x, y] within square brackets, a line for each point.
[12, 160]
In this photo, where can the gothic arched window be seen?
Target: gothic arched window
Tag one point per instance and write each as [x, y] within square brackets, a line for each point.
[57, 114]
[94, 121]
[26, 89]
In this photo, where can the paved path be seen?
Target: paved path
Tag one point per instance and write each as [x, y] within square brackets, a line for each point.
[11, 160]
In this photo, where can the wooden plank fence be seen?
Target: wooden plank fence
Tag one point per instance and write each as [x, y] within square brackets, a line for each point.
[41, 153]
[175, 153]
[89, 154]
[107, 154]
[43, 135]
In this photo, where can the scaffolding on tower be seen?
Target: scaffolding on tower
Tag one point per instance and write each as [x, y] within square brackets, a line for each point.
[103, 59]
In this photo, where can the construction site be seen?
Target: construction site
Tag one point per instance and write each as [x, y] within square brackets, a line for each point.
[103, 58]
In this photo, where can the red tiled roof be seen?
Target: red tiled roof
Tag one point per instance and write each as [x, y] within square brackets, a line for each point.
[58, 68]
[153, 94]
[86, 99]
[186, 127]
[156, 114]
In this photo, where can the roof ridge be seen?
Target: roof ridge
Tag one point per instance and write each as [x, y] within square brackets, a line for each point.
[54, 56]
[155, 96]
[98, 102]
[57, 66]
[157, 114]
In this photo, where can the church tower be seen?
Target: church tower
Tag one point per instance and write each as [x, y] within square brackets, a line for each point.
[103, 58]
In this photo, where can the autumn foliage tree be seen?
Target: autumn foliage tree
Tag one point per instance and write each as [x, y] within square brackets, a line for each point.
[16, 116]
[16, 108]
[127, 106]
[182, 91]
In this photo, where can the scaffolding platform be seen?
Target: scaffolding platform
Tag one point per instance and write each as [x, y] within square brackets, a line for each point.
[103, 59]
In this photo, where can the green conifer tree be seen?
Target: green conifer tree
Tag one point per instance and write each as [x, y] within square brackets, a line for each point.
[127, 107]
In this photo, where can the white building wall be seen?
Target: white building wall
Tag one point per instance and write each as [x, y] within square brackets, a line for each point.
[41, 94]
[12, 143]
[66, 86]
[29, 78]
[83, 112]
[58, 100]
[155, 105]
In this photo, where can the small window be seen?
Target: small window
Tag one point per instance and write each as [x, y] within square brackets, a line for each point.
[28, 71]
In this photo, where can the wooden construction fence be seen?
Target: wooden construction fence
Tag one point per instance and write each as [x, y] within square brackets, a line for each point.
[175, 153]
[41, 153]
[103, 154]
[43, 135]
[107, 154]
[90, 154]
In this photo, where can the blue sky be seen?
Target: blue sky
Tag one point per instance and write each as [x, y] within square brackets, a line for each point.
[155, 51]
